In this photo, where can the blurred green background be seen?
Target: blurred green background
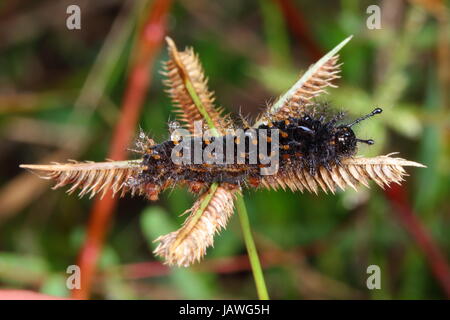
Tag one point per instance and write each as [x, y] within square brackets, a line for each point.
[60, 96]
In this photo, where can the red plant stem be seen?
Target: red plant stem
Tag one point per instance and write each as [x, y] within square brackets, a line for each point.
[435, 258]
[148, 45]
[296, 22]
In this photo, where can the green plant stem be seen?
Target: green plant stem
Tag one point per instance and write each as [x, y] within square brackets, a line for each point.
[251, 249]
[201, 108]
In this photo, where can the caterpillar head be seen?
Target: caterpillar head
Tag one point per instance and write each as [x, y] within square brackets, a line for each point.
[345, 139]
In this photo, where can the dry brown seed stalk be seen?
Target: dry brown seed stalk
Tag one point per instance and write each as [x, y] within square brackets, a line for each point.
[188, 244]
[303, 96]
[384, 170]
[312, 84]
[90, 177]
[182, 66]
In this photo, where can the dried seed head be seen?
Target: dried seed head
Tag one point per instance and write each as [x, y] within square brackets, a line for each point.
[312, 84]
[384, 170]
[91, 177]
[182, 65]
[188, 244]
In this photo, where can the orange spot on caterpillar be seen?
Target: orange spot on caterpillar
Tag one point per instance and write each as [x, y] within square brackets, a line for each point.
[254, 181]
[195, 186]
[151, 191]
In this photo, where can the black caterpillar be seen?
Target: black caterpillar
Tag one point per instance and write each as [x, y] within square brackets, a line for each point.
[308, 143]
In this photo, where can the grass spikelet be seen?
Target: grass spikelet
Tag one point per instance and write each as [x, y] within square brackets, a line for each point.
[209, 215]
